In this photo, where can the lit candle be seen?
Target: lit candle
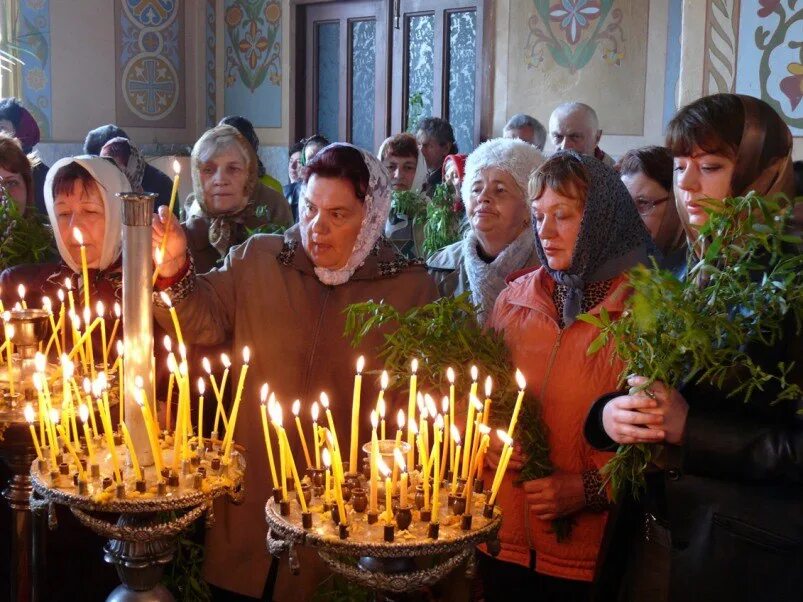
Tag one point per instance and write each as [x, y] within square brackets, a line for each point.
[296, 409]
[470, 482]
[201, 390]
[341, 506]
[504, 458]
[132, 453]
[399, 461]
[355, 415]
[486, 414]
[411, 413]
[21, 293]
[336, 462]
[423, 431]
[48, 306]
[219, 411]
[327, 462]
[153, 436]
[100, 309]
[88, 400]
[53, 418]
[29, 416]
[276, 418]
[118, 311]
[388, 491]
[227, 443]
[90, 450]
[9, 332]
[170, 206]
[173, 316]
[73, 452]
[120, 383]
[437, 458]
[316, 438]
[456, 463]
[263, 405]
[470, 422]
[294, 472]
[172, 367]
[381, 409]
[397, 444]
[446, 438]
[477, 434]
[374, 459]
[517, 408]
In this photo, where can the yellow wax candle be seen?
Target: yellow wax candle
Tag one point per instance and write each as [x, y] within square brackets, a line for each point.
[9, 331]
[178, 433]
[276, 418]
[470, 422]
[399, 462]
[296, 409]
[79, 238]
[296, 480]
[100, 309]
[186, 418]
[120, 383]
[317, 441]
[486, 414]
[327, 462]
[29, 416]
[62, 323]
[266, 433]
[169, 401]
[90, 449]
[381, 406]
[388, 491]
[501, 474]
[397, 444]
[73, 453]
[337, 461]
[151, 429]
[500, 467]
[456, 464]
[46, 303]
[341, 506]
[131, 451]
[39, 364]
[355, 415]
[117, 313]
[411, 414]
[160, 252]
[470, 483]
[173, 316]
[52, 419]
[517, 408]
[227, 442]
[201, 390]
[437, 458]
[477, 423]
[374, 460]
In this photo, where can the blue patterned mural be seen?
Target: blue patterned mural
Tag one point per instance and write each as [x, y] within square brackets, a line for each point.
[211, 49]
[33, 36]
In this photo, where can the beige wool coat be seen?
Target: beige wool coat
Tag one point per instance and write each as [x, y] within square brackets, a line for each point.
[268, 297]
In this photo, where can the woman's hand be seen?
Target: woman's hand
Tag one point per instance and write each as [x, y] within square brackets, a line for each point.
[555, 496]
[175, 250]
[655, 415]
[494, 455]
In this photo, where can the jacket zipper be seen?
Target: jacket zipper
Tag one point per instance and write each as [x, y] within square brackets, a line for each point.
[315, 343]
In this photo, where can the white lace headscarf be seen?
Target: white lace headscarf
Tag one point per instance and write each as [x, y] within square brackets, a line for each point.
[377, 207]
[110, 181]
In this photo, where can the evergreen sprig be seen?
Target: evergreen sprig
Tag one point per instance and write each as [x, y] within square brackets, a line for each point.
[22, 239]
[443, 220]
[747, 288]
[446, 334]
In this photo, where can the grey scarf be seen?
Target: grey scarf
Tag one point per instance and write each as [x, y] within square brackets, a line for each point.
[486, 280]
[612, 237]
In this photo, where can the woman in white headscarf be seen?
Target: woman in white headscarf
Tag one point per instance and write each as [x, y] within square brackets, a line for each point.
[500, 240]
[80, 193]
[408, 172]
[284, 297]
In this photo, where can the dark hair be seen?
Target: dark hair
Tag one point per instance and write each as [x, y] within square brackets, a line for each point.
[400, 145]
[316, 140]
[343, 162]
[564, 173]
[797, 168]
[13, 159]
[66, 177]
[96, 138]
[296, 147]
[440, 129]
[655, 162]
[11, 109]
[246, 128]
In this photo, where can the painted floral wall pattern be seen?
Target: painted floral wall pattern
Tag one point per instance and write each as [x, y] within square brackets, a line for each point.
[254, 53]
[33, 36]
[573, 30]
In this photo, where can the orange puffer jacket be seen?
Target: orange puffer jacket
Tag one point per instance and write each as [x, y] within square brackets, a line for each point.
[567, 381]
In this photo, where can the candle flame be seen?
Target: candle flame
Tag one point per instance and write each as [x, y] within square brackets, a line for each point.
[272, 399]
[484, 429]
[120, 348]
[504, 437]
[87, 313]
[383, 381]
[277, 415]
[100, 309]
[224, 359]
[176, 167]
[165, 299]
[9, 328]
[139, 382]
[400, 419]
[488, 386]
[445, 404]
[477, 403]
[455, 434]
[296, 407]
[314, 411]
[206, 365]
[37, 381]
[184, 369]
[79, 238]
[168, 345]
[520, 380]
[263, 393]
[118, 311]
[374, 419]
[140, 396]
[172, 365]
[439, 422]
[381, 408]
[55, 418]
[83, 412]
[414, 365]
[450, 375]
[65, 362]
[246, 354]
[413, 427]
[324, 400]
[103, 381]
[201, 387]
[327, 458]
[29, 413]
[360, 364]
[39, 362]
[68, 284]
[87, 385]
[60, 295]
[399, 457]
[21, 291]
[182, 351]
[419, 399]
[47, 304]
[431, 407]
[383, 467]
[475, 373]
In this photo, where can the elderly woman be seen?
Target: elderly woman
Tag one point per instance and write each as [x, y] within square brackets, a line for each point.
[500, 240]
[724, 508]
[588, 234]
[284, 297]
[647, 174]
[227, 201]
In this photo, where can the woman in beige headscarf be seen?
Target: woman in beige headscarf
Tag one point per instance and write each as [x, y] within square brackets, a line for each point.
[228, 202]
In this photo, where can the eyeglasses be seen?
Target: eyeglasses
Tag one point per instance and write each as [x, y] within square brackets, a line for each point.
[646, 206]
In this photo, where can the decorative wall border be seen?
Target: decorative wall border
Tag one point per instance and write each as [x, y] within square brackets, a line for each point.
[721, 46]
[33, 35]
[210, 61]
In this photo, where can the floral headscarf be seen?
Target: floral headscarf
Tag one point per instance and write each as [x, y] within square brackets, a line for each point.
[377, 208]
[125, 153]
